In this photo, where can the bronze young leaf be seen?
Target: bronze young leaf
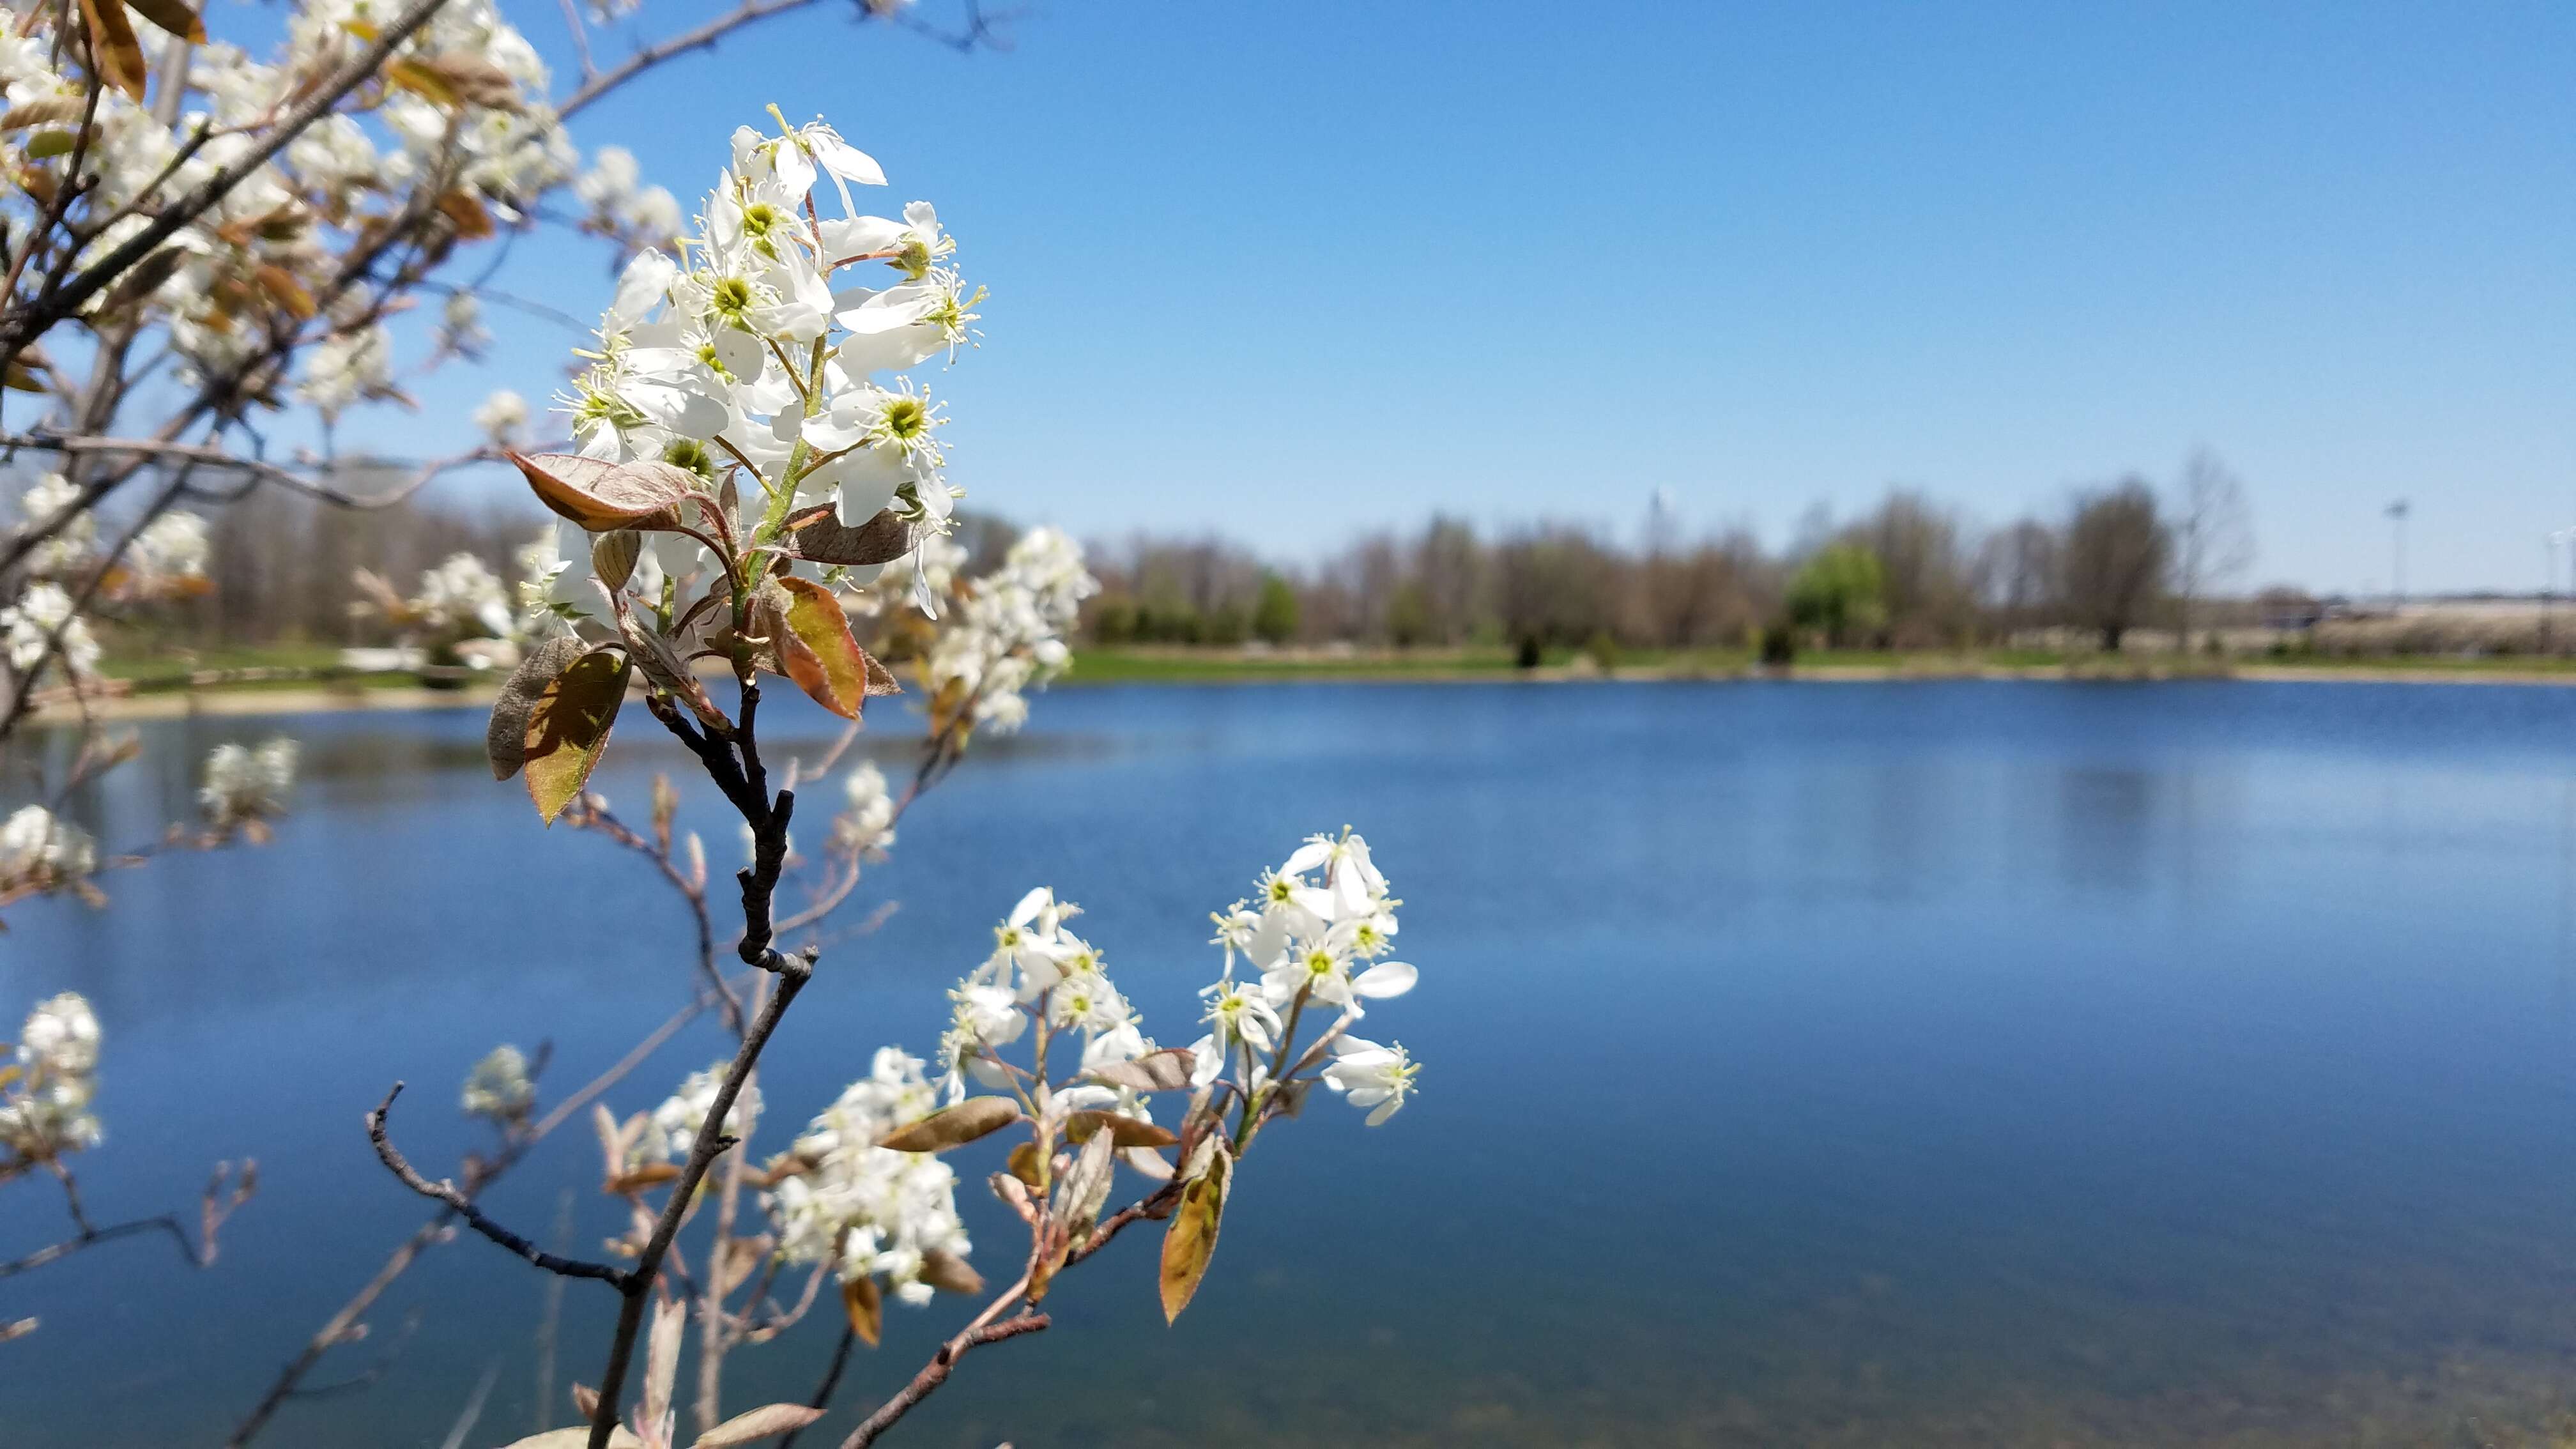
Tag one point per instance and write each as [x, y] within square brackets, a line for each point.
[119, 54]
[568, 728]
[1124, 1131]
[1191, 1239]
[819, 653]
[822, 537]
[865, 1308]
[949, 1273]
[1163, 1071]
[600, 495]
[954, 1126]
[506, 741]
[173, 16]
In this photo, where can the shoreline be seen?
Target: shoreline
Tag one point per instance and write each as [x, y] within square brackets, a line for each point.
[223, 701]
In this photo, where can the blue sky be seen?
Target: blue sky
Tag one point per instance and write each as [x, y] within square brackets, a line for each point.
[1290, 272]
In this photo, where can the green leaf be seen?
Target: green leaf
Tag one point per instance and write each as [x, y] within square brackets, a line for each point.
[954, 1126]
[600, 495]
[568, 728]
[505, 741]
[45, 145]
[1123, 1131]
[1191, 1239]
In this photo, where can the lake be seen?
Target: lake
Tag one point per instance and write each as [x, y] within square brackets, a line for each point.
[1952, 1063]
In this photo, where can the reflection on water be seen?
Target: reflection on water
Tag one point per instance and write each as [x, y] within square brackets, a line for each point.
[1948, 1064]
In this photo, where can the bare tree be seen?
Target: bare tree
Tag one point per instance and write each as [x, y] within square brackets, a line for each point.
[2118, 557]
[2213, 534]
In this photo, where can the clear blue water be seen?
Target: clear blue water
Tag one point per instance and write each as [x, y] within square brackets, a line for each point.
[1938, 1063]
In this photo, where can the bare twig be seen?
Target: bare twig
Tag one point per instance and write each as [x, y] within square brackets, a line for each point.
[344, 1326]
[225, 1191]
[475, 1218]
[936, 1372]
[703, 38]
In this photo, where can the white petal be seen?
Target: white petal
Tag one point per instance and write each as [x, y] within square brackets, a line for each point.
[1386, 979]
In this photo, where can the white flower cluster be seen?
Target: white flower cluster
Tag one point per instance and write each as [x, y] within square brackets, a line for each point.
[621, 206]
[870, 1210]
[464, 102]
[499, 1087]
[1313, 944]
[68, 547]
[42, 851]
[918, 579]
[1040, 970]
[169, 554]
[245, 784]
[463, 594]
[44, 621]
[503, 418]
[167, 557]
[1008, 636]
[45, 1112]
[674, 1126]
[866, 828]
[742, 351]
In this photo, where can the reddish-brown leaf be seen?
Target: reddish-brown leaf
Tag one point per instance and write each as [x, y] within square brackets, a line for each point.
[568, 728]
[600, 495]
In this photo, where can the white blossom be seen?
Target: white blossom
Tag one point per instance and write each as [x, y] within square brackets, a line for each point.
[1008, 635]
[170, 551]
[1373, 1076]
[867, 825]
[463, 593]
[244, 784]
[870, 1210]
[39, 848]
[499, 1087]
[503, 417]
[43, 620]
[46, 1112]
[675, 1124]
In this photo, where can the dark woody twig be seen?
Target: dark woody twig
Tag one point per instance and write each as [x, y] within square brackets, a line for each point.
[475, 1218]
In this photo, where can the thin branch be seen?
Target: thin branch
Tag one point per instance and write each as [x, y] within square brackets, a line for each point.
[58, 302]
[216, 1206]
[831, 1380]
[936, 1372]
[208, 454]
[345, 1326]
[475, 1218]
[636, 1285]
[703, 38]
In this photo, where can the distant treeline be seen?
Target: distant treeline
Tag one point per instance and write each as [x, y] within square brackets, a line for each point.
[1910, 573]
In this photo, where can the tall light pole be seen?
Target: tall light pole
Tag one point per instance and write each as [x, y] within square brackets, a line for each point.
[2548, 584]
[2397, 512]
